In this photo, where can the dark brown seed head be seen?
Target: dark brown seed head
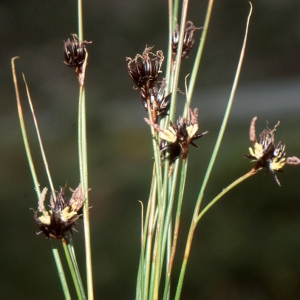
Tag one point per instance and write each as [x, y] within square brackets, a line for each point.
[75, 56]
[188, 39]
[265, 153]
[144, 69]
[63, 213]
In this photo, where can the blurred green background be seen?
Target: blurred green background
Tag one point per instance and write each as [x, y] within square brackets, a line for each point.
[247, 246]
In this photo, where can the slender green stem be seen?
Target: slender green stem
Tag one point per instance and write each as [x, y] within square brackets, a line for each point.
[211, 163]
[175, 12]
[40, 140]
[176, 226]
[196, 66]
[145, 225]
[74, 271]
[172, 190]
[80, 21]
[168, 255]
[169, 59]
[175, 78]
[60, 270]
[227, 113]
[140, 278]
[158, 253]
[82, 142]
[196, 220]
[226, 190]
[80, 137]
[23, 130]
[150, 232]
[55, 252]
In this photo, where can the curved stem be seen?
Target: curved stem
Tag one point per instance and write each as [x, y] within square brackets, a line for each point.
[211, 163]
[218, 197]
[55, 252]
[40, 139]
[194, 224]
[23, 130]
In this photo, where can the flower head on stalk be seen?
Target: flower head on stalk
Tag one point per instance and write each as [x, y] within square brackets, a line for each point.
[62, 215]
[144, 71]
[266, 154]
[188, 39]
[177, 137]
[159, 103]
[76, 57]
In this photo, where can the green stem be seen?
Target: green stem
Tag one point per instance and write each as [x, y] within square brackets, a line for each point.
[211, 163]
[176, 226]
[232, 185]
[140, 277]
[168, 255]
[140, 287]
[150, 232]
[196, 66]
[60, 270]
[74, 270]
[82, 147]
[175, 78]
[24, 133]
[168, 215]
[40, 140]
[169, 59]
[158, 253]
[196, 220]
[175, 13]
[82, 143]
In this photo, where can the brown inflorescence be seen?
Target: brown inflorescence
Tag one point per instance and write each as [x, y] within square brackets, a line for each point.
[188, 39]
[265, 153]
[144, 71]
[62, 215]
[76, 56]
[177, 137]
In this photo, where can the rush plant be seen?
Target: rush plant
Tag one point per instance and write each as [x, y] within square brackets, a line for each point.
[157, 89]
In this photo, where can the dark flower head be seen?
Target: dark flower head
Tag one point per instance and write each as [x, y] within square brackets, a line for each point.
[265, 153]
[177, 137]
[144, 69]
[159, 103]
[76, 55]
[174, 150]
[62, 215]
[188, 39]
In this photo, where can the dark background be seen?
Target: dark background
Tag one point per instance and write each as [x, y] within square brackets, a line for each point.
[247, 246]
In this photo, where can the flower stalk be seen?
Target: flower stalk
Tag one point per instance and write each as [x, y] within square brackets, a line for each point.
[211, 164]
[55, 252]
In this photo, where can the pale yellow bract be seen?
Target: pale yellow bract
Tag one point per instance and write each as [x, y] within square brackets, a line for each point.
[168, 135]
[68, 212]
[258, 150]
[192, 130]
[277, 163]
